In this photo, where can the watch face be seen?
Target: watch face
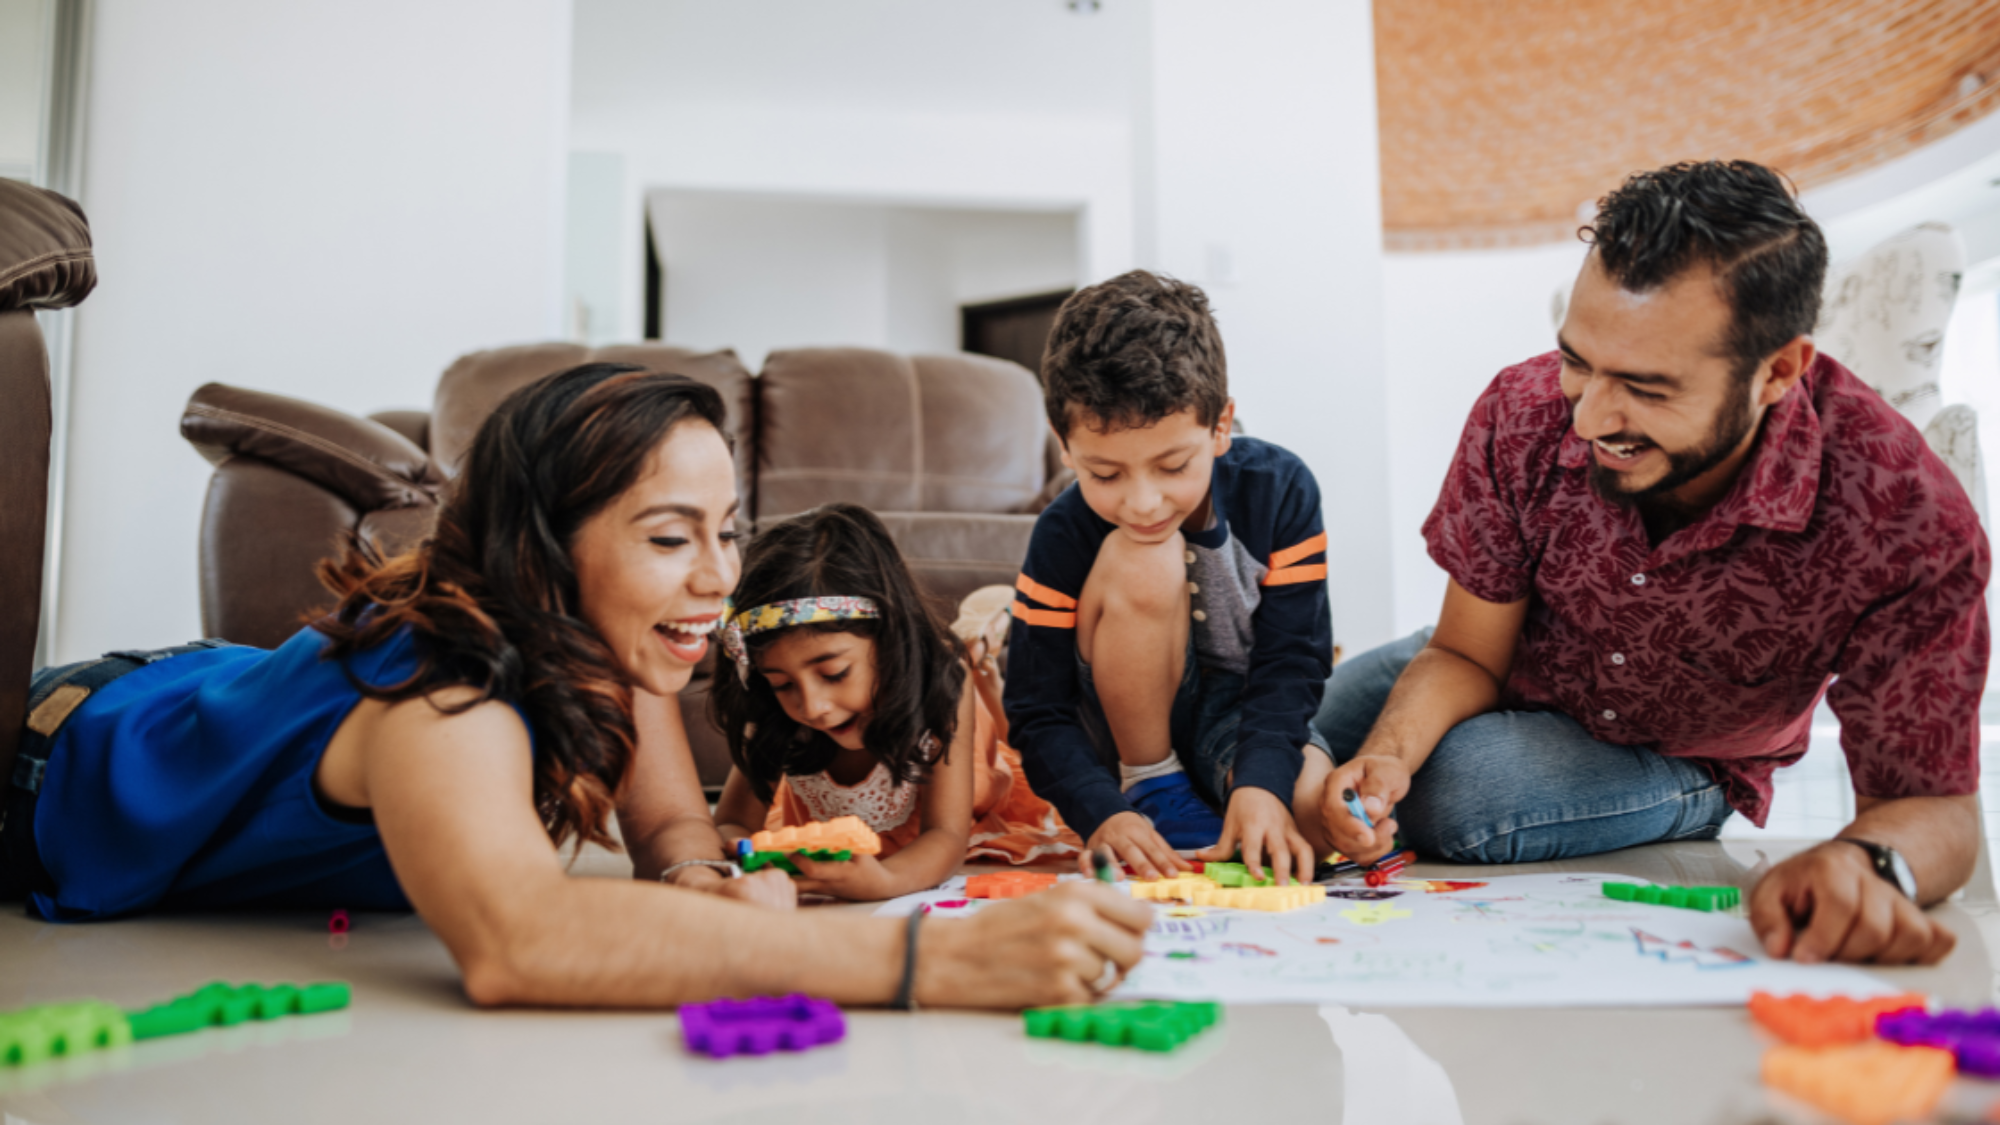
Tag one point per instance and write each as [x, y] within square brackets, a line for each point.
[1905, 878]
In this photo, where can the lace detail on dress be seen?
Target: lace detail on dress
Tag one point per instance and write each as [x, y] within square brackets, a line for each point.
[878, 800]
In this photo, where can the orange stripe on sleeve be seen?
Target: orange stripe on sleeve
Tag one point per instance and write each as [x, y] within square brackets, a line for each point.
[1049, 617]
[1293, 575]
[1045, 595]
[1290, 555]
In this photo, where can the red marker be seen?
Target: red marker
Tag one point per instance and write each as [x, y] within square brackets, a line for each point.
[338, 924]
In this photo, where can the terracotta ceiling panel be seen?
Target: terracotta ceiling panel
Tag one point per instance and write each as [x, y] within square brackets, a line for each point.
[1502, 121]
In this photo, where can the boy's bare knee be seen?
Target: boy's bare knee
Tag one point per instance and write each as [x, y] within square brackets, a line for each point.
[1146, 579]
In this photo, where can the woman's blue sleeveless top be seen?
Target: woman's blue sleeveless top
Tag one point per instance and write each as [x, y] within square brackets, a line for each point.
[188, 784]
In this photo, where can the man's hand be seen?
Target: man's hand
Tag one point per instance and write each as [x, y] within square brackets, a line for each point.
[1828, 904]
[1380, 782]
[1261, 826]
[1133, 842]
[861, 879]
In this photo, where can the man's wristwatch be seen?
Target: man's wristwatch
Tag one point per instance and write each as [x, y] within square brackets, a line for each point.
[729, 870]
[1889, 864]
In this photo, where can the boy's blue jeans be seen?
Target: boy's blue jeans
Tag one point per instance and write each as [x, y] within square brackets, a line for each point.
[1521, 786]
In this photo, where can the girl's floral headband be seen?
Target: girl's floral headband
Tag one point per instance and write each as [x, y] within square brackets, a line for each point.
[783, 615]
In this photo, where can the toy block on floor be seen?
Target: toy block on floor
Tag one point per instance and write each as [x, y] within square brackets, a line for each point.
[1233, 875]
[1973, 1038]
[31, 1035]
[1807, 1021]
[1872, 1083]
[1707, 899]
[1198, 891]
[760, 1025]
[1149, 1025]
[1008, 884]
[842, 833]
[758, 861]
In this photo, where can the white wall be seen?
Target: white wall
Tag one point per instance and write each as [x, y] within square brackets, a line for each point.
[1260, 181]
[326, 201]
[757, 273]
[23, 68]
[990, 106]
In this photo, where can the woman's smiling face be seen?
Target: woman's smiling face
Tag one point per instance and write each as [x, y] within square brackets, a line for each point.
[654, 565]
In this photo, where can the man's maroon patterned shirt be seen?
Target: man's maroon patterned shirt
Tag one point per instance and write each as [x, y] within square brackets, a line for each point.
[1845, 551]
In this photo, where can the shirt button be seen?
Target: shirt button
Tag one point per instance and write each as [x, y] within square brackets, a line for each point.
[1638, 580]
[1200, 616]
[1617, 658]
[1194, 587]
[1190, 558]
[1610, 716]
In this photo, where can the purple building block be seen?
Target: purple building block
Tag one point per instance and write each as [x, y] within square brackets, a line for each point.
[1973, 1038]
[758, 1026]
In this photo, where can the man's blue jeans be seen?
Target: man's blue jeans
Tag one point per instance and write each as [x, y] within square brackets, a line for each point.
[1521, 786]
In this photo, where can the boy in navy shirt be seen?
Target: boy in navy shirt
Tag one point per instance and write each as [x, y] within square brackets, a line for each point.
[1171, 635]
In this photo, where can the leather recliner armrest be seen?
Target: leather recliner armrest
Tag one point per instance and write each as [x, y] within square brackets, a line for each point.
[364, 463]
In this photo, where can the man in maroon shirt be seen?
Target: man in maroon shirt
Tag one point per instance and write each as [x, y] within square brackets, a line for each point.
[1665, 541]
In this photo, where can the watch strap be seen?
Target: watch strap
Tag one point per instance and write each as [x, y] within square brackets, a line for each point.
[1883, 859]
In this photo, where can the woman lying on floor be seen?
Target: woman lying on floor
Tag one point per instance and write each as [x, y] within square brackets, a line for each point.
[470, 707]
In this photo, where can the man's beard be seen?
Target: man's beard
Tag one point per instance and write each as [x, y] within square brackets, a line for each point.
[1732, 424]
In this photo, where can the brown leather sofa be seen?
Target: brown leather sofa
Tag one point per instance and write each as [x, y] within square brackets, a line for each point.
[951, 450]
[45, 263]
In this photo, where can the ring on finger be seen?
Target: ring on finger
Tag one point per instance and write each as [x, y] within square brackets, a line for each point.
[1106, 980]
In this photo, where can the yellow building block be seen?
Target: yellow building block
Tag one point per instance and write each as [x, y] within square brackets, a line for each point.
[1198, 891]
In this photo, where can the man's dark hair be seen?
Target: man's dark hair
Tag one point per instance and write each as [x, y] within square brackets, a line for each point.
[1738, 218]
[1131, 351]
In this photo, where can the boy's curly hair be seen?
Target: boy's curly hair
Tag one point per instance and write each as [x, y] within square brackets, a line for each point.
[1130, 351]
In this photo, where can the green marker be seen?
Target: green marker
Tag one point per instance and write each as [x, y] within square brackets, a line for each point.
[1100, 861]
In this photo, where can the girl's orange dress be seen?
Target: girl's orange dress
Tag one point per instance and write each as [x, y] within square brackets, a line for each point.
[1009, 822]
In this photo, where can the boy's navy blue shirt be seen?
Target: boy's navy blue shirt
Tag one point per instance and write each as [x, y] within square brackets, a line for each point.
[1259, 571]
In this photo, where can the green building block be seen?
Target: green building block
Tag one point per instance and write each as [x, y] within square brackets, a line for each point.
[1149, 1025]
[1232, 875]
[1706, 899]
[30, 1035]
[758, 861]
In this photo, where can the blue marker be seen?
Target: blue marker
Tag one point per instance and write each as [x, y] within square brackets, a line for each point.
[743, 848]
[1354, 806]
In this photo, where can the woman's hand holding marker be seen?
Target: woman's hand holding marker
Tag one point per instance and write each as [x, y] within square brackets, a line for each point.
[1374, 784]
[1066, 945]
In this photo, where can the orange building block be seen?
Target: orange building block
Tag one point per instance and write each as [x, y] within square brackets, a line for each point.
[1008, 884]
[1872, 1083]
[1809, 1022]
[842, 832]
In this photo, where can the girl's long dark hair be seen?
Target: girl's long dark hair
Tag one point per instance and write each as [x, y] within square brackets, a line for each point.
[491, 595]
[841, 550]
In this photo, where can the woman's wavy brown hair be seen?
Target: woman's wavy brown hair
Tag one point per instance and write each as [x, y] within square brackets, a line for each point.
[491, 595]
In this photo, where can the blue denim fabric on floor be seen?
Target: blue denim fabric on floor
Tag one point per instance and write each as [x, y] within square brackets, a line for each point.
[1521, 786]
[1206, 713]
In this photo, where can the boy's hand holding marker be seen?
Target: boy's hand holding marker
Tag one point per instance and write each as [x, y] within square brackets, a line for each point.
[1359, 806]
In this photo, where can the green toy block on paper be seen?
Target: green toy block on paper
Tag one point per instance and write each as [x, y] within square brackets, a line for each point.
[1233, 875]
[31, 1035]
[1150, 1025]
[1666, 894]
[758, 861]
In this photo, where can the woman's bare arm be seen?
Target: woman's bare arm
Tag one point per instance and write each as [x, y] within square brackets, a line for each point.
[453, 798]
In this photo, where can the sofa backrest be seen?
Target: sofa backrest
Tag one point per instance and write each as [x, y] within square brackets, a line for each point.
[897, 433]
[473, 386]
[45, 263]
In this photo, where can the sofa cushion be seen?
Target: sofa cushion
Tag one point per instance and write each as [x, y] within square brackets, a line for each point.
[949, 433]
[365, 463]
[45, 258]
[474, 385]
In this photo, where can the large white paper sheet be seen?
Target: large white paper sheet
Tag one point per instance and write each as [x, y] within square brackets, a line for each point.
[1518, 941]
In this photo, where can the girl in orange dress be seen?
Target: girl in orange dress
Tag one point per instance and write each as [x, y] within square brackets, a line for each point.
[850, 698]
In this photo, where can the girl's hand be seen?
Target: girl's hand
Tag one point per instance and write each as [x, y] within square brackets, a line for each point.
[1051, 947]
[861, 879]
